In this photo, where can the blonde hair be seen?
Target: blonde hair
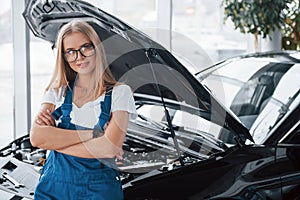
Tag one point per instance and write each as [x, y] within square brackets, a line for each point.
[63, 74]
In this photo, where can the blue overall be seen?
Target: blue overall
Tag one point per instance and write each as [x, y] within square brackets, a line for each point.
[69, 177]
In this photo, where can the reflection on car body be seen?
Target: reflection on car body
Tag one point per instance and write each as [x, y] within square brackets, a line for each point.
[185, 143]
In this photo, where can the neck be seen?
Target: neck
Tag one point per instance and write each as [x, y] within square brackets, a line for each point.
[84, 81]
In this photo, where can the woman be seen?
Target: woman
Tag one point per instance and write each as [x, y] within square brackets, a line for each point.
[81, 163]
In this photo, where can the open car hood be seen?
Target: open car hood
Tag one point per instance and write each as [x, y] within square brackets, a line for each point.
[134, 58]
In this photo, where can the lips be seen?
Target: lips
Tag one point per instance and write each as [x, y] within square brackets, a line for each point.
[82, 65]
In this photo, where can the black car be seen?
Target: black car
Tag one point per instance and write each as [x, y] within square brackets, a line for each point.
[185, 144]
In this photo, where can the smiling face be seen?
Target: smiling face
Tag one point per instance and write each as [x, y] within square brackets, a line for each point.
[78, 43]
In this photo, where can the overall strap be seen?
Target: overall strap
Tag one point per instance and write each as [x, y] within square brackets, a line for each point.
[105, 110]
[65, 109]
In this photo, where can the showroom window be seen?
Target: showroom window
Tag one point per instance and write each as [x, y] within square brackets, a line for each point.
[42, 62]
[200, 35]
[6, 76]
[137, 13]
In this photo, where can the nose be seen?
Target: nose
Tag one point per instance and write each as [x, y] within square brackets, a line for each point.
[80, 56]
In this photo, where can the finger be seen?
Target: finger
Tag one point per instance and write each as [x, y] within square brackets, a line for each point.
[39, 121]
[47, 115]
[119, 157]
[44, 119]
[52, 121]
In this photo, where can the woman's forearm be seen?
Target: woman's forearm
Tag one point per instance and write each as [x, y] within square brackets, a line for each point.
[80, 142]
[52, 138]
[107, 146]
[100, 147]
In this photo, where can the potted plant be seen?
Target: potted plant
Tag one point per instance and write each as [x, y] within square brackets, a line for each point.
[258, 17]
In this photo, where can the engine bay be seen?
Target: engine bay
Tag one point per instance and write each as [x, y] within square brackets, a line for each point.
[21, 163]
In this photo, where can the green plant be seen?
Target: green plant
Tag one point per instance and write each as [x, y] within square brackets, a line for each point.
[258, 17]
[291, 31]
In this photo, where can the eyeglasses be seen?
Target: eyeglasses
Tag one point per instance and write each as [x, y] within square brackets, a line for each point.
[85, 50]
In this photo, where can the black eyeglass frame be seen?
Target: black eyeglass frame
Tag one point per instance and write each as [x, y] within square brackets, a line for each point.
[80, 50]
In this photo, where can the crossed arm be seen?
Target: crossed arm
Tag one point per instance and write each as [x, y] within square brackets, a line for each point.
[45, 135]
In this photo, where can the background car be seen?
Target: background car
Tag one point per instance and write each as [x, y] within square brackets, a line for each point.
[258, 88]
[185, 144]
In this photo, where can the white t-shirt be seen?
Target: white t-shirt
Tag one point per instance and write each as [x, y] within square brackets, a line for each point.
[87, 115]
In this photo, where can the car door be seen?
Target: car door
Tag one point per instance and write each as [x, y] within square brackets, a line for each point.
[288, 162]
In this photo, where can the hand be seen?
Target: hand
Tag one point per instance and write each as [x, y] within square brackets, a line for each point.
[119, 155]
[45, 118]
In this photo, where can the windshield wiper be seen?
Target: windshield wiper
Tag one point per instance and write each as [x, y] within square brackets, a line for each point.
[285, 107]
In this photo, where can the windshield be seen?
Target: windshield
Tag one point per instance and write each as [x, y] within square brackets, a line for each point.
[259, 92]
[285, 98]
